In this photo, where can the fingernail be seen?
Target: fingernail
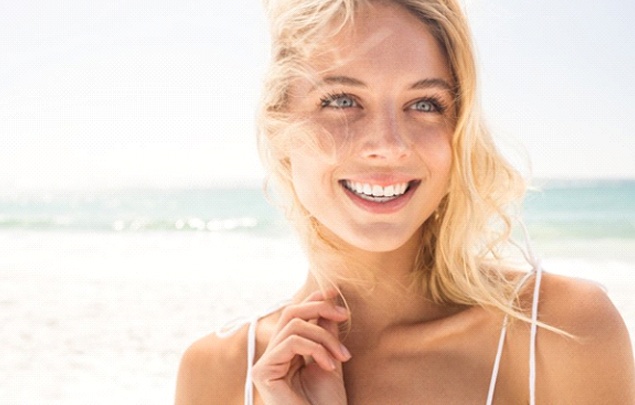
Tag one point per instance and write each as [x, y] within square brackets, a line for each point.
[345, 352]
[332, 364]
[341, 310]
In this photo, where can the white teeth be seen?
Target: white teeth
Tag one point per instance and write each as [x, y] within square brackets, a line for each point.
[373, 190]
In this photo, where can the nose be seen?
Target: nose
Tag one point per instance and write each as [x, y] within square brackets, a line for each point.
[384, 137]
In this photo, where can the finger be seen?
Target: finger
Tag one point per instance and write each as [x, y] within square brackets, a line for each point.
[312, 310]
[333, 328]
[327, 294]
[315, 333]
[278, 359]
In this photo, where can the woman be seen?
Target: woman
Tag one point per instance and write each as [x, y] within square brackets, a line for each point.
[370, 128]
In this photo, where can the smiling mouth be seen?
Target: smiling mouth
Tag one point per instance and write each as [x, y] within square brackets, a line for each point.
[376, 193]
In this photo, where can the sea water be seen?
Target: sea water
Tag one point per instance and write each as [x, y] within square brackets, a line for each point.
[100, 292]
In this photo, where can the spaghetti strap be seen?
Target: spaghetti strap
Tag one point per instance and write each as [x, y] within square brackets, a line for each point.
[533, 333]
[501, 344]
[251, 354]
[537, 271]
[251, 345]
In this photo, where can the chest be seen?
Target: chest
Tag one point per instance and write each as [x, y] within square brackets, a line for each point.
[455, 372]
[434, 378]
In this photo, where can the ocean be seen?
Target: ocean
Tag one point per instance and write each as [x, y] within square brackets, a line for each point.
[102, 291]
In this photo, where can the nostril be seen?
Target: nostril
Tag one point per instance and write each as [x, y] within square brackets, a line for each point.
[385, 151]
[385, 139]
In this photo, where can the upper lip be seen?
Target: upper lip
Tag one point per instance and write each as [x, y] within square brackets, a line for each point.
[379, 184]
[382, 180]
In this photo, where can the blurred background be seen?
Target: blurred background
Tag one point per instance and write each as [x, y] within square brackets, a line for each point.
[131, 216]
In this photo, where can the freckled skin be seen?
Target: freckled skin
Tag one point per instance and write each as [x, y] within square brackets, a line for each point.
[382, 126]
[386, 127]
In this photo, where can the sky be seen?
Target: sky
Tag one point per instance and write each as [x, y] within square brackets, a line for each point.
[142, 93]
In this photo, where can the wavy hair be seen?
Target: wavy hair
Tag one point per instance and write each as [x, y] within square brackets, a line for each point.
[459, 259]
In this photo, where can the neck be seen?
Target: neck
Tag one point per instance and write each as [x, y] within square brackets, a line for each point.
[378, 288]
[394, 267]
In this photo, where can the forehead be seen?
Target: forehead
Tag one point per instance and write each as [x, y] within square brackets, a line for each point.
[373, 25]
[380, 32]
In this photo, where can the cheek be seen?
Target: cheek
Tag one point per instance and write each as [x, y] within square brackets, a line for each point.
[310, 178]
[334, 138]
[433, 143]
[300, 175]
[324, 142]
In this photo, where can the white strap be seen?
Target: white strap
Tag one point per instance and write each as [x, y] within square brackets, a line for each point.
[231, 327]
[537, 270]
[251, 354]
[533, 333]
[537, 265]
[251, 348]
[501, 344]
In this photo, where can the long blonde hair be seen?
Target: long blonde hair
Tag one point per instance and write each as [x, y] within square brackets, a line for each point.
[459, 258]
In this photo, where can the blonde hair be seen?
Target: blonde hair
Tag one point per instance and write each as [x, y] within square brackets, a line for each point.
[459, 258]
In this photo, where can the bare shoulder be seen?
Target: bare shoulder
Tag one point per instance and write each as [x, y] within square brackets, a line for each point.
[578, 306]
[596, 366]
[213, 370]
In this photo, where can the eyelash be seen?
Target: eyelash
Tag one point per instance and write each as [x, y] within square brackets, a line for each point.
[438, 105]
[330, 97]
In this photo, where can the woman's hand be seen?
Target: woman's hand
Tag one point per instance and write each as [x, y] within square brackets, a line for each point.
[303, 361]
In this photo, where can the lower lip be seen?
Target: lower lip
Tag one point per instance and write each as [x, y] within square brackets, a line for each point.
[387, 207]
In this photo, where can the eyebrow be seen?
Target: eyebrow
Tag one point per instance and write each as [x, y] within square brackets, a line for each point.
[429, 83]
[419, 85]
[338, 80]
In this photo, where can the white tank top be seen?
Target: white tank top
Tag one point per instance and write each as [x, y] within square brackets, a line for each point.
[536, 271]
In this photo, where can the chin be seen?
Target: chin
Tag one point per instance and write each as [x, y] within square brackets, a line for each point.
[373, 247]
[379, 242]
[378, 237]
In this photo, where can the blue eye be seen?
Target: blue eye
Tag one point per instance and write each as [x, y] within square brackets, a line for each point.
[425, 106]
[338, 101]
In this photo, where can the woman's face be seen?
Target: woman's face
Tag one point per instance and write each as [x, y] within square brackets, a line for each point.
[383, 98]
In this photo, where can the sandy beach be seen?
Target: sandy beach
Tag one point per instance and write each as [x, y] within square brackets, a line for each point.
[105, 317]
